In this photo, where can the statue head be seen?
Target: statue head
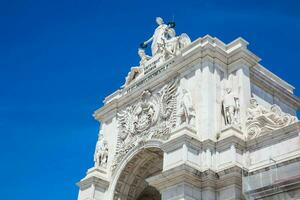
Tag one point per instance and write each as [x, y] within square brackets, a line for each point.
[105, 143]
[141, 53]
[228, 87]
[253, 103]
[159, 20]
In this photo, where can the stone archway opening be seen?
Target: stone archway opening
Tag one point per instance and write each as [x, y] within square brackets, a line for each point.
[132, 184]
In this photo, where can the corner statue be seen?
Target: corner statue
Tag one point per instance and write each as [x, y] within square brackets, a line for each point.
[186, 110]
[231, 107]
[101, 153]
[164, 40]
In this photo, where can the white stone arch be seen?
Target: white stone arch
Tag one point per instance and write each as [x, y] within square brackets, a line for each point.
[135, 153]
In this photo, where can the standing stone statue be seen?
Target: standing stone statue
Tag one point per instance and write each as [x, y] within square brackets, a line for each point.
[186, 109]
[231, 107]
[101, 153]
[161, 34]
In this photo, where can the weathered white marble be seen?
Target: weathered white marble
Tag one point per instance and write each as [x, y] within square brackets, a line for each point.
[195, 120]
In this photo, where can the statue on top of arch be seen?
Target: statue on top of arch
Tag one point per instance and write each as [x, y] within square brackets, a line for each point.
[165, 44]
[164, 40]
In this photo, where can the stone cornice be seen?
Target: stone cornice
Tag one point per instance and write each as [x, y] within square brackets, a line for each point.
[190, 138]
[198, 50]
[230, 176]
[277, 88]
[274, 137]
[180, 174]
[94, 177]
[187, 174]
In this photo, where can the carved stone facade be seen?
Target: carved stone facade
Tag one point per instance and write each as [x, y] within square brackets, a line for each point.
[196, 120]
[153, 116]
[261, 120]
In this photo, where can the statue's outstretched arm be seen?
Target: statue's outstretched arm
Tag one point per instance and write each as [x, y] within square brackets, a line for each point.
[149, 40]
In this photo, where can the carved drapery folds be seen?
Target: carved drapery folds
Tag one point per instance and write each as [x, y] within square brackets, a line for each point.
[151, 117]
[186, 111]
[231, 107]
[164, 40]
[261, 120]
[164, 45]
[101, 152]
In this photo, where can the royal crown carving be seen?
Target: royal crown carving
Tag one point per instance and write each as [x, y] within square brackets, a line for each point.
[261, 120]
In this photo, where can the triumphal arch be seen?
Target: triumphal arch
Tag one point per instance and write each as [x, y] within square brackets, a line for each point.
[196, 120]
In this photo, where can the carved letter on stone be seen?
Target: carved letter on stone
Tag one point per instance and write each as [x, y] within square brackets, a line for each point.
[261, 120]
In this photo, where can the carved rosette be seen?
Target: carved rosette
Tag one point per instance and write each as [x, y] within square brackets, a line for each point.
[261, 120]
[151, 117]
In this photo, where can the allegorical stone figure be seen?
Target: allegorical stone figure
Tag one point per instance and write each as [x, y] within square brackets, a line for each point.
[101, 153]
[162, 33]
[143, 56]
[231, 107]
[136, 72]
[186, 109]
[255, 110]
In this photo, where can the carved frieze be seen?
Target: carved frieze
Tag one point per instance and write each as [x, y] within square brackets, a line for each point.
[261, 120]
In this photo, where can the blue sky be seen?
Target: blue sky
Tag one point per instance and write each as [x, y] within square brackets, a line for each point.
[59, 59]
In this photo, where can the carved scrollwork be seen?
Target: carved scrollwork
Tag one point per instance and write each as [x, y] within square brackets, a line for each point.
[261, 120]
[151, 117]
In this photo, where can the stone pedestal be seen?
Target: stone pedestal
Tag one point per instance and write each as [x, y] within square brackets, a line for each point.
[94, 185]
[231, 131]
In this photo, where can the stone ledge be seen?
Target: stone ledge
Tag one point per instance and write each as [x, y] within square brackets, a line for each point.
[274, 137]
[94, 176]
[180, 136]
[190, 175]
[180, 174]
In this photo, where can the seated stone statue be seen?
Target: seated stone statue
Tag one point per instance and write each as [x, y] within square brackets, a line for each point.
[136, 72]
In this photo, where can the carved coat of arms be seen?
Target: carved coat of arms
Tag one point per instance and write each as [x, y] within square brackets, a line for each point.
[152, 116]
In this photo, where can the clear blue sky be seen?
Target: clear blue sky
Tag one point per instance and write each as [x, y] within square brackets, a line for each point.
[59, 59]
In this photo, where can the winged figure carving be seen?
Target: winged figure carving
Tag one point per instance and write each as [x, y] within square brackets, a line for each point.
[168, 99]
